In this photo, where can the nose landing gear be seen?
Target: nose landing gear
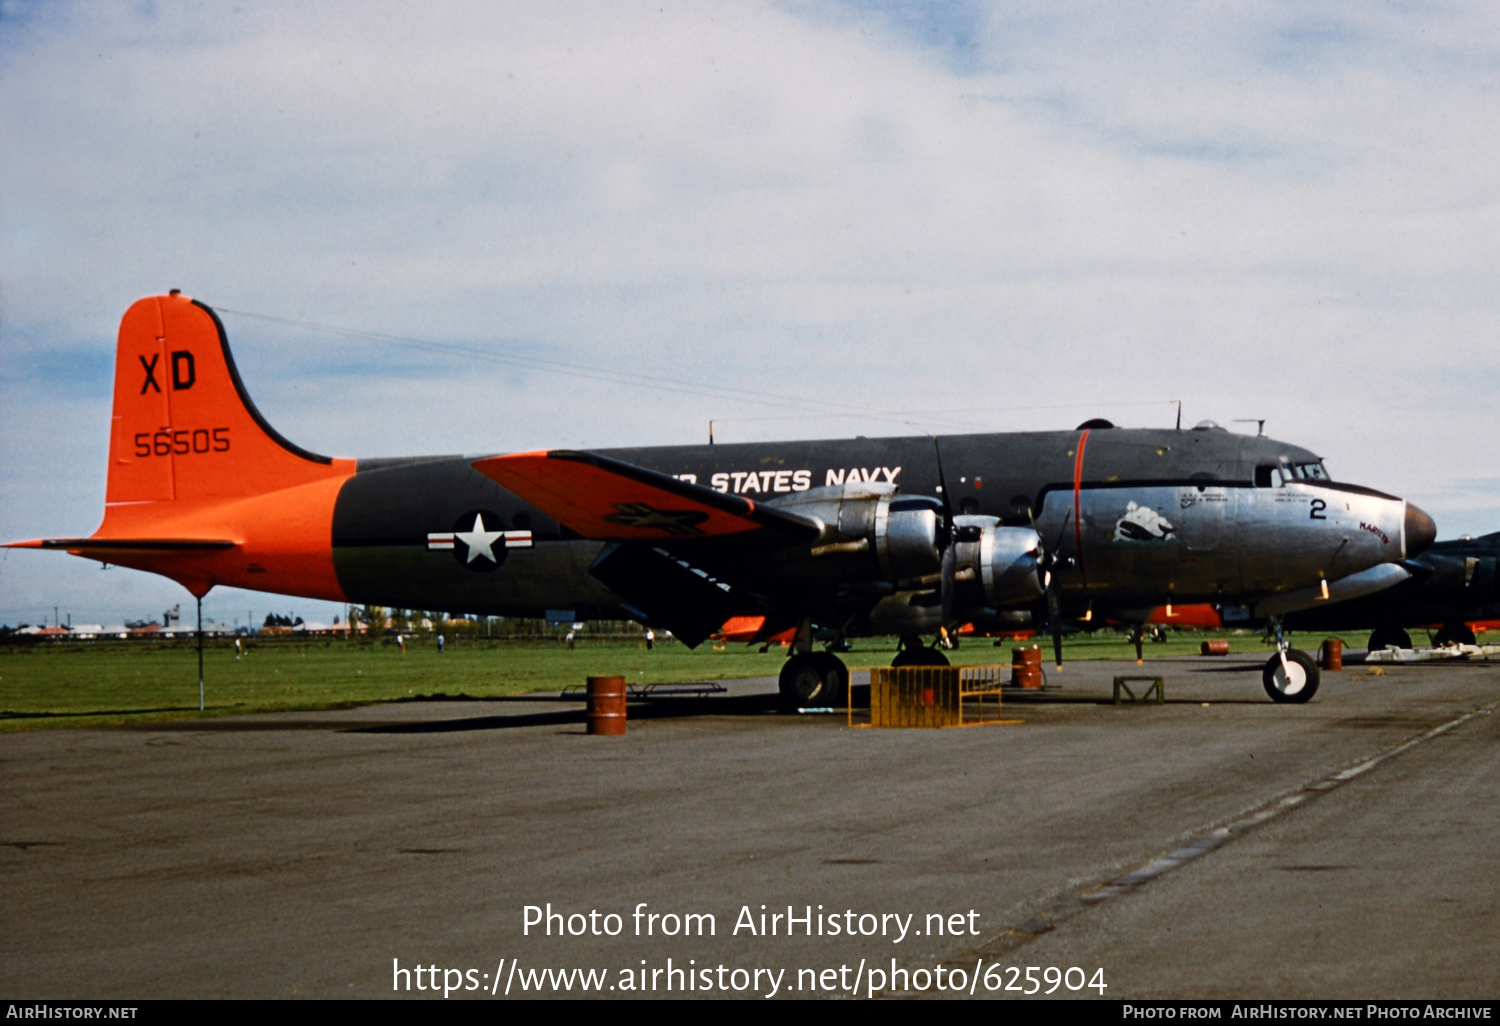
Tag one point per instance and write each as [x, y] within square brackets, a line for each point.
[1290, 676]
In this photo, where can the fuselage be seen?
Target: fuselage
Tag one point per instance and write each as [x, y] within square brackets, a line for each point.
[1133, 517]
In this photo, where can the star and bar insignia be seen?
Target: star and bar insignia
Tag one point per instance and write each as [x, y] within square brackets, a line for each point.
[673, 521]
[476, 537]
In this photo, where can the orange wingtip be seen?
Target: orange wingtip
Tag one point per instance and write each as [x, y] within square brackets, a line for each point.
[602, 498]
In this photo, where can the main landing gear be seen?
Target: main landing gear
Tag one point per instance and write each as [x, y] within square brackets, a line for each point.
[820, 679]
[1290, 675]
[1453, 634]
[812, 679]
[911, 652]
[1389, 637]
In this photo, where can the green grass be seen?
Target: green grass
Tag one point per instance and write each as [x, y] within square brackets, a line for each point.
[126, 682]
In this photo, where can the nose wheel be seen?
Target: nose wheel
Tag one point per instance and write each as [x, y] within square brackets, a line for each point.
[1290, 677]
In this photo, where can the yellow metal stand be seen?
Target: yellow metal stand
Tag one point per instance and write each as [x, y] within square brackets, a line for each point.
[934, 696]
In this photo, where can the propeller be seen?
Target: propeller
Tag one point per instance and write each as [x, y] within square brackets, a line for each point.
[1050, 587]
[948, 537]
[951, 535]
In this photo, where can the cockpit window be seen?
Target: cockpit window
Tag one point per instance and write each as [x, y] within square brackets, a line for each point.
[1268, 476]
[1307, 472]
[1286, 473]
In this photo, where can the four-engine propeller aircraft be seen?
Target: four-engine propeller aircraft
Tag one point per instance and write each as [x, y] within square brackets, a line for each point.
[910, 536]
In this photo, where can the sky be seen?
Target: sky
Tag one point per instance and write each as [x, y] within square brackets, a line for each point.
[484, 227]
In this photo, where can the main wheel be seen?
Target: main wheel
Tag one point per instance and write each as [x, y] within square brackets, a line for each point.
[1297, 681]
[835, 676]
[1453, 634]
[922, 656]
[812, 679]
[1389, 637]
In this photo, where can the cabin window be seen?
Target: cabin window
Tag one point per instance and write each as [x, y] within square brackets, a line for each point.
[1265, 476]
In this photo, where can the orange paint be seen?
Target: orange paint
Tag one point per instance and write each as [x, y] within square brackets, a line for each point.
[1083, 577]
[740, 628]
[190, 458]
[597, 502]
[748, 628]
[1186, 616]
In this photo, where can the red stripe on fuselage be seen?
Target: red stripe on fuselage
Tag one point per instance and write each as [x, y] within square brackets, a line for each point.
[1083, 440]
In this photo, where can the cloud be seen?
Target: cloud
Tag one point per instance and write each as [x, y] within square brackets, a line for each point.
[1286, 213]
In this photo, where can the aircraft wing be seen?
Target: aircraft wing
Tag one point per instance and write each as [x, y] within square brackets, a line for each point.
[598, 497]
[675, 548]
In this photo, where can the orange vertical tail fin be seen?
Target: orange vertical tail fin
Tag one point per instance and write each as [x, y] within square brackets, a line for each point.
[201, 489]
[184, 430]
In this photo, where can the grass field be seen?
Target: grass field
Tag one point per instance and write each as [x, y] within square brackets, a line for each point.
[119, 682]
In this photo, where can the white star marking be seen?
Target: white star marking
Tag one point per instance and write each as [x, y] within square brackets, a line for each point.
[479, 540]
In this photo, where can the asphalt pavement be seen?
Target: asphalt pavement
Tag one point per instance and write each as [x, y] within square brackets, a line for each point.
[1215, 845]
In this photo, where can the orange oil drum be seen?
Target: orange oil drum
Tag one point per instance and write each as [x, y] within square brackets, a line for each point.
[1333, 654]
[1026, 667]
[606, 705]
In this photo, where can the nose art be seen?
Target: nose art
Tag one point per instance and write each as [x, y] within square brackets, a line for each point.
[1420, 531]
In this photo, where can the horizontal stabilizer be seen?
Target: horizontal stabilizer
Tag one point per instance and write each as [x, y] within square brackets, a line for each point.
[598, 497]
[125, 544]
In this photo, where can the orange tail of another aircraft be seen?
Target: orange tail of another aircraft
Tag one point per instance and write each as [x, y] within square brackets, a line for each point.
[201, 488]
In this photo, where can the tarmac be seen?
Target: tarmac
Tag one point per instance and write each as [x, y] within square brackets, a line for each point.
[1216, 845]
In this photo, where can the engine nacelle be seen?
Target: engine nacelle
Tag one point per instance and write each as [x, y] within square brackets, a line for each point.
[995, 566]
[871, 533]
[895, 545]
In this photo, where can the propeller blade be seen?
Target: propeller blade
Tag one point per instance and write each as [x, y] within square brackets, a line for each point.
[1054, 617]
[943, 485]
[949, 537]
[946, 587]
[1049, 584]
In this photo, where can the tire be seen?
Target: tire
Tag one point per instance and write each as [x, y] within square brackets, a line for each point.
[1302, 683]
[919, 657]
[836, 675]
[812, 679]
[1389, 637]
[1453, 634]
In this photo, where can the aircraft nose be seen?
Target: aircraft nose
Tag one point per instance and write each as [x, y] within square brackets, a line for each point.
[1420, 531]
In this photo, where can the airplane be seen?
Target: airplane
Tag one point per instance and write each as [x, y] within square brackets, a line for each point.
[1455, 586]
[910, 536]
